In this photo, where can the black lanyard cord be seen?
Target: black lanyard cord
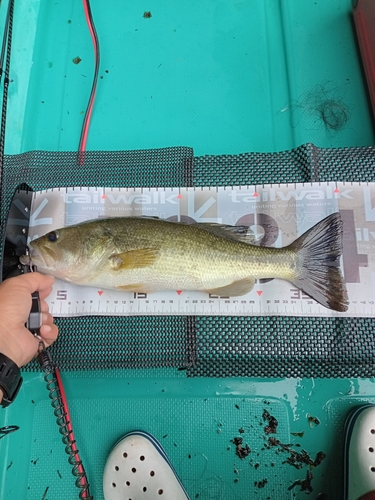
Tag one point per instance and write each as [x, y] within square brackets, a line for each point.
[7, 42]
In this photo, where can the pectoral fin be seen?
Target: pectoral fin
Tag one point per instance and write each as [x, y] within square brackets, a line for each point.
[133, 259]
[235, 289]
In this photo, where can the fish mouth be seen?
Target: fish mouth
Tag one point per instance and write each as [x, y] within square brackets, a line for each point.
[37, 257]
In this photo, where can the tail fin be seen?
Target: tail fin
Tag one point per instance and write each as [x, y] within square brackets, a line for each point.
[318, 255]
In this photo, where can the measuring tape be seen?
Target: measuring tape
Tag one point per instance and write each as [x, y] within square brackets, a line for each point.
[277, 214]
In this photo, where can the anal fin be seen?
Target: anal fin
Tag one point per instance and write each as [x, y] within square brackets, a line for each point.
[135, 287]
[234, 289]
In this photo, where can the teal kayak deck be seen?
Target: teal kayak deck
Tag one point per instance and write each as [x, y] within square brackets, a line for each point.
[223, 77]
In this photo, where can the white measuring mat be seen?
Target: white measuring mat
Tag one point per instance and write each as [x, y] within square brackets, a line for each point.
[277, 214]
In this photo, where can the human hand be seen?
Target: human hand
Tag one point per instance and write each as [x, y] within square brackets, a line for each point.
[16, 341]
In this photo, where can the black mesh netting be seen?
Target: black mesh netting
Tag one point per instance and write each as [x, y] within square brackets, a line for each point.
[205, 346]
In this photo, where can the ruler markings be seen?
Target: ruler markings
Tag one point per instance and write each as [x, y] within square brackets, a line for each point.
[293, 207]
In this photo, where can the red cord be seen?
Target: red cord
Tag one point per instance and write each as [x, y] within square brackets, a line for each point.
[90, 106]
[81, 150]
[71, 438]
[88, 20]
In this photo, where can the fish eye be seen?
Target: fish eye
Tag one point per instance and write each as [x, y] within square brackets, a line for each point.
[53, 236]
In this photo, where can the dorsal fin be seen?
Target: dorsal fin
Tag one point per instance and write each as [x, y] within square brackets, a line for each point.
[237, 233]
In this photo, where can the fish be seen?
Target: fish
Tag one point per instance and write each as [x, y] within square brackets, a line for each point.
[147, 254]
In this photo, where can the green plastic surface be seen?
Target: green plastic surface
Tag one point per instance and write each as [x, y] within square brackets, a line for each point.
[222, 77]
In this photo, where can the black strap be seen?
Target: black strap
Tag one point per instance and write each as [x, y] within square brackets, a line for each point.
[7, 43]
[10, 380]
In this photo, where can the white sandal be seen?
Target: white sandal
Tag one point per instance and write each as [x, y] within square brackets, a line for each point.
[359, 465]
[138, 468]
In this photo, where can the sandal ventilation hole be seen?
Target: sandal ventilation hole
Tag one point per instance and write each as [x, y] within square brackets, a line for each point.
[117, 467]
[372, 431]
[160, 492]
[114, 485]
[127, 483]
[124, 454]
[372, 469]
[141, 458]
[371, 449]
[134, 469]
[144, 488]
[152, 473]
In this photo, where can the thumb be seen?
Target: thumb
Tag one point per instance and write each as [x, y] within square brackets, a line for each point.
[34, 282]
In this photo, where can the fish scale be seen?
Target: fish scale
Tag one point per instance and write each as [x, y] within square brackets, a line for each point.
[146, 255]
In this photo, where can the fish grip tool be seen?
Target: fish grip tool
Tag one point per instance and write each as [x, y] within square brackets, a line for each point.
[15, 245]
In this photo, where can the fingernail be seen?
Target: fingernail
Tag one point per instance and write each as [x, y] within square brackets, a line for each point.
[46, 328]
[45, 317]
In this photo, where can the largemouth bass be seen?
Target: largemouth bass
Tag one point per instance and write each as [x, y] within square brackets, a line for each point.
[142, 254]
